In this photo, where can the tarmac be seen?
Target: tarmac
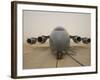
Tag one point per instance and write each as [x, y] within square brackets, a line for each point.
[40, 56]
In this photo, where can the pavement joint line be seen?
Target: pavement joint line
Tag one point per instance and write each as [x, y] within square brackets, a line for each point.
[57, 63]
[76, 60]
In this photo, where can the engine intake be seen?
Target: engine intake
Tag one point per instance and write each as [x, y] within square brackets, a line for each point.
[86, 40]
[31, 40]
[76, 39]
[42, 39]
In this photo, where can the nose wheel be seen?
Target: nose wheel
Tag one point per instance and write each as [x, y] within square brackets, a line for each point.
[59, 56]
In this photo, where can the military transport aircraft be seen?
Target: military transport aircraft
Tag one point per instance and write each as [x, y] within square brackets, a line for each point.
[59, 41]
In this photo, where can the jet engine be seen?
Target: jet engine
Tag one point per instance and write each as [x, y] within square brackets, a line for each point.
[86, 40]
[76, 39]
[31, 40]
[42, 39]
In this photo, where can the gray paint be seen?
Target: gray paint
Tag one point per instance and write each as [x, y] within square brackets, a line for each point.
[59, 41]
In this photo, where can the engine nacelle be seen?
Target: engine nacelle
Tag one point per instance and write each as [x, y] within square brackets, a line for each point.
[76, 39]
[86, 40]
[42, 39]
[31, 40]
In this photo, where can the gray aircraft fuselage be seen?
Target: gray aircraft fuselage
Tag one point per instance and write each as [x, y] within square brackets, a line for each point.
[59, 42]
